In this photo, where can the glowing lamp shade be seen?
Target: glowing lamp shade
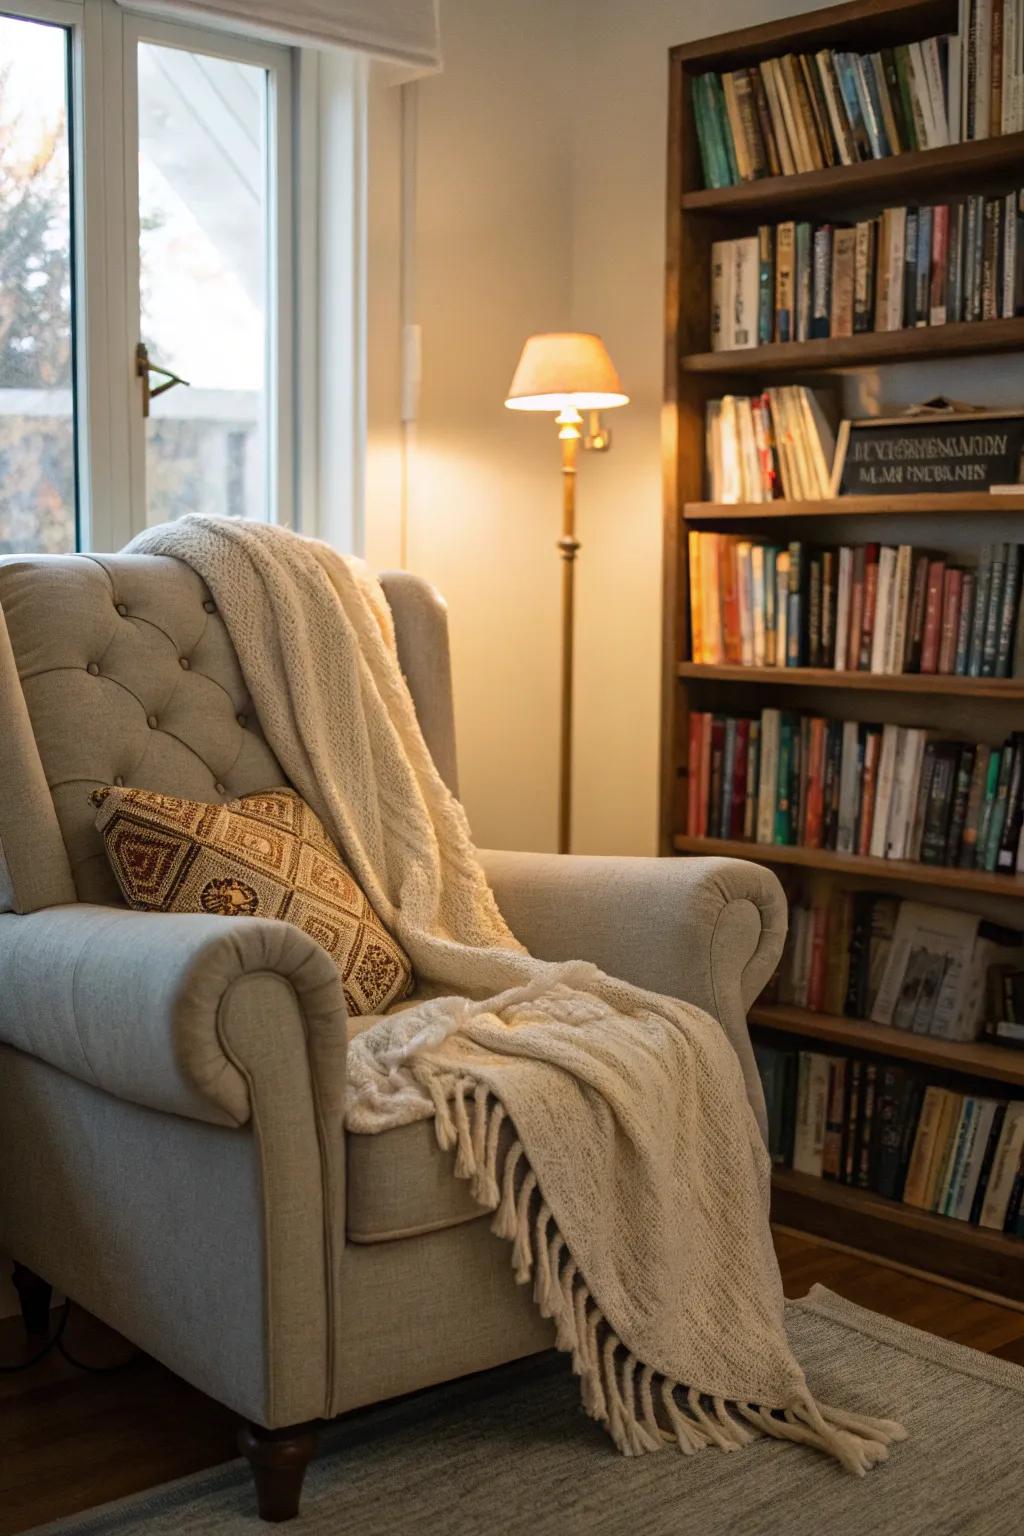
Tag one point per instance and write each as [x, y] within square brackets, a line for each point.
[565, 370]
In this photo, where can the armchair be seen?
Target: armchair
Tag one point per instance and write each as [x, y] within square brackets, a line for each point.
[171, 1087]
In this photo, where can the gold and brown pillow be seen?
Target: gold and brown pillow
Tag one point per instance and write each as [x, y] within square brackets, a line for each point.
[264, 855]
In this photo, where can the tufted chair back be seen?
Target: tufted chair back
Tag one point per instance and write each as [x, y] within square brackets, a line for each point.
[119, 669]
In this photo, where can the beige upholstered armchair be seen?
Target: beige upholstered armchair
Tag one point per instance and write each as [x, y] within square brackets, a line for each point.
[171, 1087]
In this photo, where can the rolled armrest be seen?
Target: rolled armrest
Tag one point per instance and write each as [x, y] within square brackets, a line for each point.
[157, 1008]
[708, 931]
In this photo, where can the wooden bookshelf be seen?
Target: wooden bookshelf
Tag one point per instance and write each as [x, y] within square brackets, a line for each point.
[869, 349]
[928, 504]
[695, 217]
[937, 684]
[975, 1058]
[972, 881]
[973, 1256]
[868, 185]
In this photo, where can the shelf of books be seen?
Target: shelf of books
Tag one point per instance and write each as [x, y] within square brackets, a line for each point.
[843, 679]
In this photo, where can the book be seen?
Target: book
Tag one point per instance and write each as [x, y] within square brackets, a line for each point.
[812, 1106]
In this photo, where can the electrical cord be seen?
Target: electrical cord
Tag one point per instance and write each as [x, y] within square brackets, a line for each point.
[56, 1342]
[99, 1370]
[51, 1344]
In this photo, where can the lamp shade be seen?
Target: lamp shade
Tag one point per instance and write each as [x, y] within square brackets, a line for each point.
[561, 369]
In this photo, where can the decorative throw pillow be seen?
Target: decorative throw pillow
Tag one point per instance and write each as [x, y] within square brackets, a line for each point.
[263, 855]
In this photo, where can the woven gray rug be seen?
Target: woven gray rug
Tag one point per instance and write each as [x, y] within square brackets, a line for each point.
[510, 1453]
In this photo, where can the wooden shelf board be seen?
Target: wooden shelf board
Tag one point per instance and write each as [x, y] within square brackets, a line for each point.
[956, 168]
[975, 880]
[856, 1217]
[869, 349]
[973, 1058]
[922, 505]
[1006, 688]
[860, 24]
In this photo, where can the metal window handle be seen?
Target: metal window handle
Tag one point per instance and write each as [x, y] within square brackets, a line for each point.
[143, 369]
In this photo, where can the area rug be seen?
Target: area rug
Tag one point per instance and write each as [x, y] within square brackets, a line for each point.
[510, 1453]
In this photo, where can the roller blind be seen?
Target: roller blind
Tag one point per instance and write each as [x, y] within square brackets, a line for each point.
[404, 32]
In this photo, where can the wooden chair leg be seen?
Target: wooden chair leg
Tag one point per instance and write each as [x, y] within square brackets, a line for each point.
[35, 1295]
[278, 1458]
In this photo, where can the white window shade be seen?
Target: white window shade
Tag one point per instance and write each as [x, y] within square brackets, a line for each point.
[404, 32]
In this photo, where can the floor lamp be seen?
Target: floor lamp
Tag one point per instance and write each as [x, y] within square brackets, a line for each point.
[567, 372]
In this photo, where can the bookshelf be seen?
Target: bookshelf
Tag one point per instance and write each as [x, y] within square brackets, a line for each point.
[927, 504]
[935, 683]
[990, 707]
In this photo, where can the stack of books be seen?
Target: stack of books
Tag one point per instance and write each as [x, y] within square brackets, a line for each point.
[905, 964]
[879, 791]
[885, 609]
[906, 267]
[777, 444]
[803, 112]
[878, 1125]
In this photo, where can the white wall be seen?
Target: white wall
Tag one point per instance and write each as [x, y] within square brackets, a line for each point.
[493, 254]
[540, 182]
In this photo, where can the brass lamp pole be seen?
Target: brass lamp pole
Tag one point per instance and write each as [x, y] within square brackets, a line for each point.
[567, 372]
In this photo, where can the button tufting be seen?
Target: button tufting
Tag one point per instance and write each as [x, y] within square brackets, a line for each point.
[184, 663]
[122, 610]
[220, 789]
[119, 781]
[151, 722]
[210, 605]
[92, 669]
[241, 720]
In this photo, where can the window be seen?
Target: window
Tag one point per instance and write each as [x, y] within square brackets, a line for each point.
[150, 361]
[203, 266]
[38, 502]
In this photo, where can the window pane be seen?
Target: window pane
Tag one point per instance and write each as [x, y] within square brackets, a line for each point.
[203, 252]
[37, 433]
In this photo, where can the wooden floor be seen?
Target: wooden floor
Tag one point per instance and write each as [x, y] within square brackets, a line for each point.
[69, 1441]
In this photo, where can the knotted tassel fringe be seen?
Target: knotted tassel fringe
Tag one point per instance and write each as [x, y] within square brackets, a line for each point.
[641, 1410]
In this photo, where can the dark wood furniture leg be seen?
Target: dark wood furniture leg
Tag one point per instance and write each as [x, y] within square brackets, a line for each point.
[35, 1295]
[279, 1458]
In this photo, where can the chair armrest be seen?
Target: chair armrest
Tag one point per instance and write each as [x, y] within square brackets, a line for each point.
[171, 1011]
[707, 931]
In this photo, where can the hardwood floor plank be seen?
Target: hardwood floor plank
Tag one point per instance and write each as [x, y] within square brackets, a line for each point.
[72, 1440]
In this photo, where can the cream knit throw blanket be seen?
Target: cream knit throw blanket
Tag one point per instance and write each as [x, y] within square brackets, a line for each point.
[635, 1189]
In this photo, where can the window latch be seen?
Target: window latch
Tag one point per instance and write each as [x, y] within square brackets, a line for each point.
[143, 369]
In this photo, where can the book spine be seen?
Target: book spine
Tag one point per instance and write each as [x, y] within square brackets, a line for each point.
[990, 644]
[910, 315]
[764, 119]
[722, 118]
[923, 267]
[954, 265]
[785, 243]
[965, 620]
[923, 1149]
[933, 616]
[832, 1144]
[750, 125]
[936, 311]
[864, 275]
[821, 310]
[765, 284]
[1008, 615]
[961, 799]
[981, 604]
[951, 596]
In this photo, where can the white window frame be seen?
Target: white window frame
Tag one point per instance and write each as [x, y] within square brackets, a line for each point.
[316, 282]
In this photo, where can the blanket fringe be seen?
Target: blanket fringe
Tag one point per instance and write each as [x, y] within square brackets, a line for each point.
[642, 1410]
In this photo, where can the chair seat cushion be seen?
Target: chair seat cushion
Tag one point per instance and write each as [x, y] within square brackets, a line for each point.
[401, 1184]
[265, 855]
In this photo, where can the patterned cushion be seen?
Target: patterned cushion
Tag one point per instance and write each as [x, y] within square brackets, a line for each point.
[265, 855]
